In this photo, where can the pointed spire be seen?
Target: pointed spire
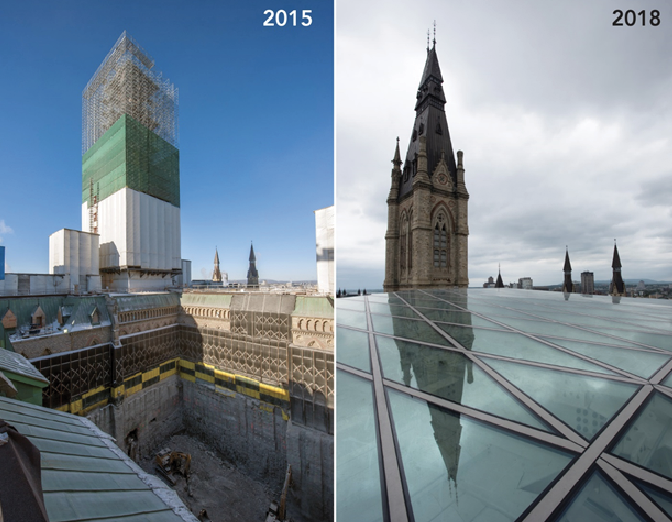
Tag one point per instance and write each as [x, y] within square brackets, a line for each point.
[434, 41]
[499, 283]
[568, 266]
[252, 257]
[397, 155]
[216, 256]
[616, 261]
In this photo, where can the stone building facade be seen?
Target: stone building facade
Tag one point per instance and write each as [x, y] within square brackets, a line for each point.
[427, 231]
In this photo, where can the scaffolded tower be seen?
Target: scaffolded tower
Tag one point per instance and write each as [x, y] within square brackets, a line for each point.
[126, 84]
[130, 167]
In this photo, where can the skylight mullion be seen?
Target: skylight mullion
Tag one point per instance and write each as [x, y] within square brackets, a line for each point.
[568, 482]
[483, 416]
[396, 497]
[638, 472]
[638, 497]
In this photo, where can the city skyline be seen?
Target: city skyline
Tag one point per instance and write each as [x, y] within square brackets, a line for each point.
[255, 138]
[562, 117]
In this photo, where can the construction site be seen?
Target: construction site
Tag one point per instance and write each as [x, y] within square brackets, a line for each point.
[223, 398]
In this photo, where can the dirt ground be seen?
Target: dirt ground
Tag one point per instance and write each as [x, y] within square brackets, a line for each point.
[215, 485]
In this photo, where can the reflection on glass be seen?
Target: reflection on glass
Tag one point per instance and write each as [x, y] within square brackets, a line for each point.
[399, 311]
[407, 328]
[357, 465]
[351, 318]
[599, 501]
[451, 376]
[353, 349]
[459, 469]
[648, 442]
[583, 403]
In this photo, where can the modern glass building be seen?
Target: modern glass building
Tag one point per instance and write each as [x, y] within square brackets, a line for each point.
[496, 405]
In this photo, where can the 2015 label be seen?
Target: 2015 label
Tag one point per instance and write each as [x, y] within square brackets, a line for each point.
[281, 17]
[630, 17]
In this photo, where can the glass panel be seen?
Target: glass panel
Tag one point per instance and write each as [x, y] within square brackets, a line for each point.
[460, 469]
[557, 329]
[598, 501]
[357, 466]
[452, 376]
[407, 328]
[648, 442]
[643, 364]
[351, 318]
[351, 303]
[353, 349]
[450, 315]
[585, 404]
[390, 309]
[518, 346]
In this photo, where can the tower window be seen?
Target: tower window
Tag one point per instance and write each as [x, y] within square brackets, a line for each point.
[440, 244]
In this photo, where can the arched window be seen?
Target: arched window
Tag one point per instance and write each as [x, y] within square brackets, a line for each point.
[441, 243]
[403, 246]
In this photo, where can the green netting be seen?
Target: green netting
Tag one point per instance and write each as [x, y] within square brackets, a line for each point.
[130, 155]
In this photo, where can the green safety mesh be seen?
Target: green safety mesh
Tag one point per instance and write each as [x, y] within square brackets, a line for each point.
[130, 155]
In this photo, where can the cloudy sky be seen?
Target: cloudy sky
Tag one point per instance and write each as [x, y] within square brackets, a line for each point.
[256, 124]
[564, 119]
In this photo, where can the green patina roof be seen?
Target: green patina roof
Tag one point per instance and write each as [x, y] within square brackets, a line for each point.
[85, 476]
[19, 365]
[314, 307]
[210, 300]
[145, 302]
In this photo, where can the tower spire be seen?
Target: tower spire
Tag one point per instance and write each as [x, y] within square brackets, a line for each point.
[434, 41]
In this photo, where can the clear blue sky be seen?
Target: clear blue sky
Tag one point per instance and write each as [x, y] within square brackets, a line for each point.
[256, 124]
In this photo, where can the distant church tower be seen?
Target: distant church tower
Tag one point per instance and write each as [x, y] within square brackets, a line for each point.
[499, 283]
[252, 273]
[567, 283]
[427, 227]
[617, 286]
[216, 274]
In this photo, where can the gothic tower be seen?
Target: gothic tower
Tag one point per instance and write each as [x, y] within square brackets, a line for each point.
[216, 274]
[252, 273]
[567, 283]
[427, 228]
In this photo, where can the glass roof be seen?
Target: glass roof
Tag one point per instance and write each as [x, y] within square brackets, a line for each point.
[503, 405]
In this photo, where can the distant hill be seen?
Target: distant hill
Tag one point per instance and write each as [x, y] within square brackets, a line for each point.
[634, 282]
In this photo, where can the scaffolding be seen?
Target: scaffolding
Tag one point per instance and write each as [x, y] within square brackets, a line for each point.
[126, 84]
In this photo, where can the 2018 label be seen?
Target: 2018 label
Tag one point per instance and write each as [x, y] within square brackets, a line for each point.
[281, 17]
[630, 17]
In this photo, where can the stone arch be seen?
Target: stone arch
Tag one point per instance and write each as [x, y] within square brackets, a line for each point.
[325, 326]
[300, 324]
[309, 324]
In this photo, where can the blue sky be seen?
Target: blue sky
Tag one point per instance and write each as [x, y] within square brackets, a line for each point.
[256, 124]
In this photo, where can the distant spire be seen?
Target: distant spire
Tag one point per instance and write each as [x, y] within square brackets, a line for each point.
[427, 40]
[434, 41]
[216, 274]
[499, 283]
[568, 266]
